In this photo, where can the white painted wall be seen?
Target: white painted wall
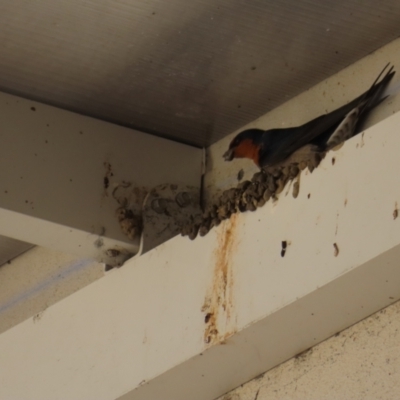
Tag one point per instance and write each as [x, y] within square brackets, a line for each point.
[361, 363]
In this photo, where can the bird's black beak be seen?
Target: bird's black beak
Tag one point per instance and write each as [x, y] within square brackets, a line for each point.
[228, 155]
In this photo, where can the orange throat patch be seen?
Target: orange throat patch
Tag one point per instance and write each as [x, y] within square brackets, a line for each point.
[247, 149]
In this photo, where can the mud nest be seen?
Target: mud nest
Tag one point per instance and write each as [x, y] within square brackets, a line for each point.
[250, 195]
[131, 224]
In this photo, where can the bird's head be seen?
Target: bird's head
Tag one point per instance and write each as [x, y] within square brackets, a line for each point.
[246, 144]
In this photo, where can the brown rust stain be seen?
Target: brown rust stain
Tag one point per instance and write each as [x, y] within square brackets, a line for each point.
[218, 305]
[335, 249]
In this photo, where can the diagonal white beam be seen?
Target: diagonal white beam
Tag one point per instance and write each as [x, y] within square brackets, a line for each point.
[141, 333]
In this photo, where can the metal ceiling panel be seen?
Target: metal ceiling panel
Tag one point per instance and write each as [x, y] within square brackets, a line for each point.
[192, 71]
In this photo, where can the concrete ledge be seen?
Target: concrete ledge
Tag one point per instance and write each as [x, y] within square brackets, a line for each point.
[195, 319]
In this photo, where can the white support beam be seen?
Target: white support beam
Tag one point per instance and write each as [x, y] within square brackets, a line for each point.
[195, 319]
[58, 170]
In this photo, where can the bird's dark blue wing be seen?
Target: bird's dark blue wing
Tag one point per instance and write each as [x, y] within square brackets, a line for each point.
[278, 144]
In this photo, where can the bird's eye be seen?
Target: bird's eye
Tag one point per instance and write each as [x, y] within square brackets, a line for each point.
[234, 143]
